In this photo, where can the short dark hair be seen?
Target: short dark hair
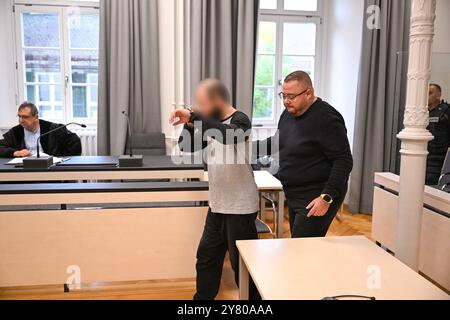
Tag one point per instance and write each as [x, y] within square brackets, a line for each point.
[436, 86]
[300, 76]
[34, 110]
[217, 89]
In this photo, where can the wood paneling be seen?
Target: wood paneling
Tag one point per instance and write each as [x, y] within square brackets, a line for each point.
[166, 289]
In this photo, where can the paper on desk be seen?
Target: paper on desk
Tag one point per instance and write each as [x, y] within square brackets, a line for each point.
[16, 161]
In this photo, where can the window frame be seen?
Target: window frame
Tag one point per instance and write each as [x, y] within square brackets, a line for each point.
[280, 17]
[281, 11]
[63, 12]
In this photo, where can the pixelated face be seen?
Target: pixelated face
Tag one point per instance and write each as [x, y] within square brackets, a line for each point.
[207, 105]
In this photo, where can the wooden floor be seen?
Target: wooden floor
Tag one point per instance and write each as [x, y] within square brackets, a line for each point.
[349, 225]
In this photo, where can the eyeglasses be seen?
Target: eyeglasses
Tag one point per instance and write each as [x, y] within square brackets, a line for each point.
[291, 97]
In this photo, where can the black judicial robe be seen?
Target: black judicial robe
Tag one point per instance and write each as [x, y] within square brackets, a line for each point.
[61, 143]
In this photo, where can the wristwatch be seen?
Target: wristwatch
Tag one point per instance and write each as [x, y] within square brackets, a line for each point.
[191, 110]
[327, 198]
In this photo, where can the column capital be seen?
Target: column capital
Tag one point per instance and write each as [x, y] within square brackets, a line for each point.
[419, 72]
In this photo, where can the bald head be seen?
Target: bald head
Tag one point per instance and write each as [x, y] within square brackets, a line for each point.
[298, 93]
[301, 77]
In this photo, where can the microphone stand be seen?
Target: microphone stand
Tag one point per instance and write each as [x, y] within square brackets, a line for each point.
[39, 162]
[131, 160]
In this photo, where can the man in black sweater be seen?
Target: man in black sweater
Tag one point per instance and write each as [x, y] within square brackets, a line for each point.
[315, 157]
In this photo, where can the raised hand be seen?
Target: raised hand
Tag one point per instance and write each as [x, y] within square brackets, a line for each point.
[180, 116]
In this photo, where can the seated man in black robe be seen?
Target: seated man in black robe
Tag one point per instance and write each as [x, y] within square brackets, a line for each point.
[21, 141]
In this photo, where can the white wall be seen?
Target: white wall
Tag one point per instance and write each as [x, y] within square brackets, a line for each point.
[7, 66]
[343, 39]
[441, 48]
[442, 27]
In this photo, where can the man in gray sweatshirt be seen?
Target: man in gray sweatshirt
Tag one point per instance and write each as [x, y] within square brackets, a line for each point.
[223, 133]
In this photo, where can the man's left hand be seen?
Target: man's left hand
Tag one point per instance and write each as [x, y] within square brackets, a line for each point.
[180, 116]
[318, 208]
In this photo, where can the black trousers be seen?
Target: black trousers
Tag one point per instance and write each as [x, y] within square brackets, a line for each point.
[313, 227]
[219, 236]
[434, 169]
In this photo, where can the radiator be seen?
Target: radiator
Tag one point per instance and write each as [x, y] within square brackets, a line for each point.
[88, 141]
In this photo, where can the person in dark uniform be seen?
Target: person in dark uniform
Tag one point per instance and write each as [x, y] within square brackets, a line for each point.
[440, 128]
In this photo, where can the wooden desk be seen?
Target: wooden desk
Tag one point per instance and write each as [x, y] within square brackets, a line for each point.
[312, 269]
[84, 168]
[101, 193]
[137, 242]
[267, 183]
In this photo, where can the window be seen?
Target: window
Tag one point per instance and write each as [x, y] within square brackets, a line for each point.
[288, 40]
[58, 61]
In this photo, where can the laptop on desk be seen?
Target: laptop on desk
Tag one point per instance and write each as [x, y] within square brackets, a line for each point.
[89, 162]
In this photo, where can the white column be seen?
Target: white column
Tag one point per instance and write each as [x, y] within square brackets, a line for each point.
[166, 12]
[179, 72]
[172, 65]
[415, 136]
[179, 53]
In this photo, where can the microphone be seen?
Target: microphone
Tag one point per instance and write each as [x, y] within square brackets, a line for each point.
[39, 162]
[38, 155]
[130, 161]
[130, 133]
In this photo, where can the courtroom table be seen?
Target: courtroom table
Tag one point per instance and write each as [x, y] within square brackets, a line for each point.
[101, 193]
[44, 247]
[434, 257]
[104, 168]
[268, 184]
[316, 268]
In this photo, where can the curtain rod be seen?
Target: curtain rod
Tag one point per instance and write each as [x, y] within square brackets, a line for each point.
[80, 5]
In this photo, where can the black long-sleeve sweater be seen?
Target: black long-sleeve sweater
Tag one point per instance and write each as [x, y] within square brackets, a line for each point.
[238, 128]
[315, 154]
[232, 187]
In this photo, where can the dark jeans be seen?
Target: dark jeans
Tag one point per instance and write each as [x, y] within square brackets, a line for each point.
[219, 236]
[314, 227]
